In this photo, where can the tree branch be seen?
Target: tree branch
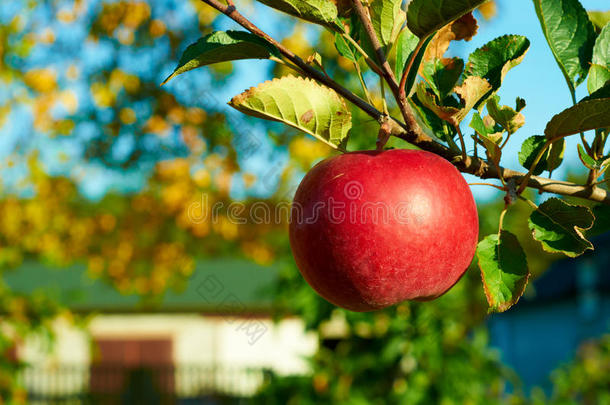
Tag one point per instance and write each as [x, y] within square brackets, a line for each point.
[313, 73]
[411, 125]
[387, 72]
[484, 170]
[412, 133]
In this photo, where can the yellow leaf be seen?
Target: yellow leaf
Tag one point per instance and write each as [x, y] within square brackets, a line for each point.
[41, 80]
[488, 10]
[127, 116]
[464, 28]
[157, 28]
[66, 16]
[69, 100]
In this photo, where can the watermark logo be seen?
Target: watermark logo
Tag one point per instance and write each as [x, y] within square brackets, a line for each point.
[353, 190]
[348, 208]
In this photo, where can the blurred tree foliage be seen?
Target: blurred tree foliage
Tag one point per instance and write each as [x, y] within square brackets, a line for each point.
[81, 104]
[416, 353]
[585, 380]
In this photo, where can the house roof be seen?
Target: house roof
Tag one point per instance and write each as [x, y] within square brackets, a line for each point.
[217, 286]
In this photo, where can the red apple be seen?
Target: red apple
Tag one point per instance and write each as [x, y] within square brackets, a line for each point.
[371, 229]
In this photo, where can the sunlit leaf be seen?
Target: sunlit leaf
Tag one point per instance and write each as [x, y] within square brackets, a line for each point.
[584, 116]
[387, 17]
[599, 73]
[464, 28]
[346, 49]
[469, 92]
[508, 118]
[570, 36]
[223, 46]
[489, 135]
[405, 46]
[300, 103]
[587, 160]
[317, 11]
[424, 17]
[443, 74]
[599, 19]
[602, 92]
[493, 60]
[430, 122]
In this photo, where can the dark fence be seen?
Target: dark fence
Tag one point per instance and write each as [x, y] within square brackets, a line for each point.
[107, 384]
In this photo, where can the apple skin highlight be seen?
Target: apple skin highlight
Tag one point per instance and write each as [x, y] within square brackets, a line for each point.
[371, 229]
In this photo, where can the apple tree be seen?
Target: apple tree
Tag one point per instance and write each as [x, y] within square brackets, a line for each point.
[445, 106]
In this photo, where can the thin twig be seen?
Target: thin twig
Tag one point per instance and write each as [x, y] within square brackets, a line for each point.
[600, 182]
[488, 184]
[505, 141]
[462, 143]
[501, 221]
[362, 52]
[386, 71]
[529, 202]
[525, 180]
[409, 66]
[362, 82]
[585, 143]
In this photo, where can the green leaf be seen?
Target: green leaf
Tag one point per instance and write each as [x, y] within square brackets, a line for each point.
[559, 227]
[555, 156]
[603, 92]
[387, 18]
[519, 104]
[469, 92]
[599, 73]
[223, 46]
[508, 118]
[570, 36]
[485, 126]
[491, 144]
[587, 160]
[530, 150]
[478, 125]
[405, 46]
[443, 74]
[504, 270]
[425, 17]
[322, 12]
[584, 116]
[590, 163]
[300, 103]
[493, 60]
[430, 122]
[346, 49]
[489, 136]
[602, 220]
[599, 19]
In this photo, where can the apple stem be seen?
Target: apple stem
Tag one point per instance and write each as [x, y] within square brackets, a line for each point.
[385, 131]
